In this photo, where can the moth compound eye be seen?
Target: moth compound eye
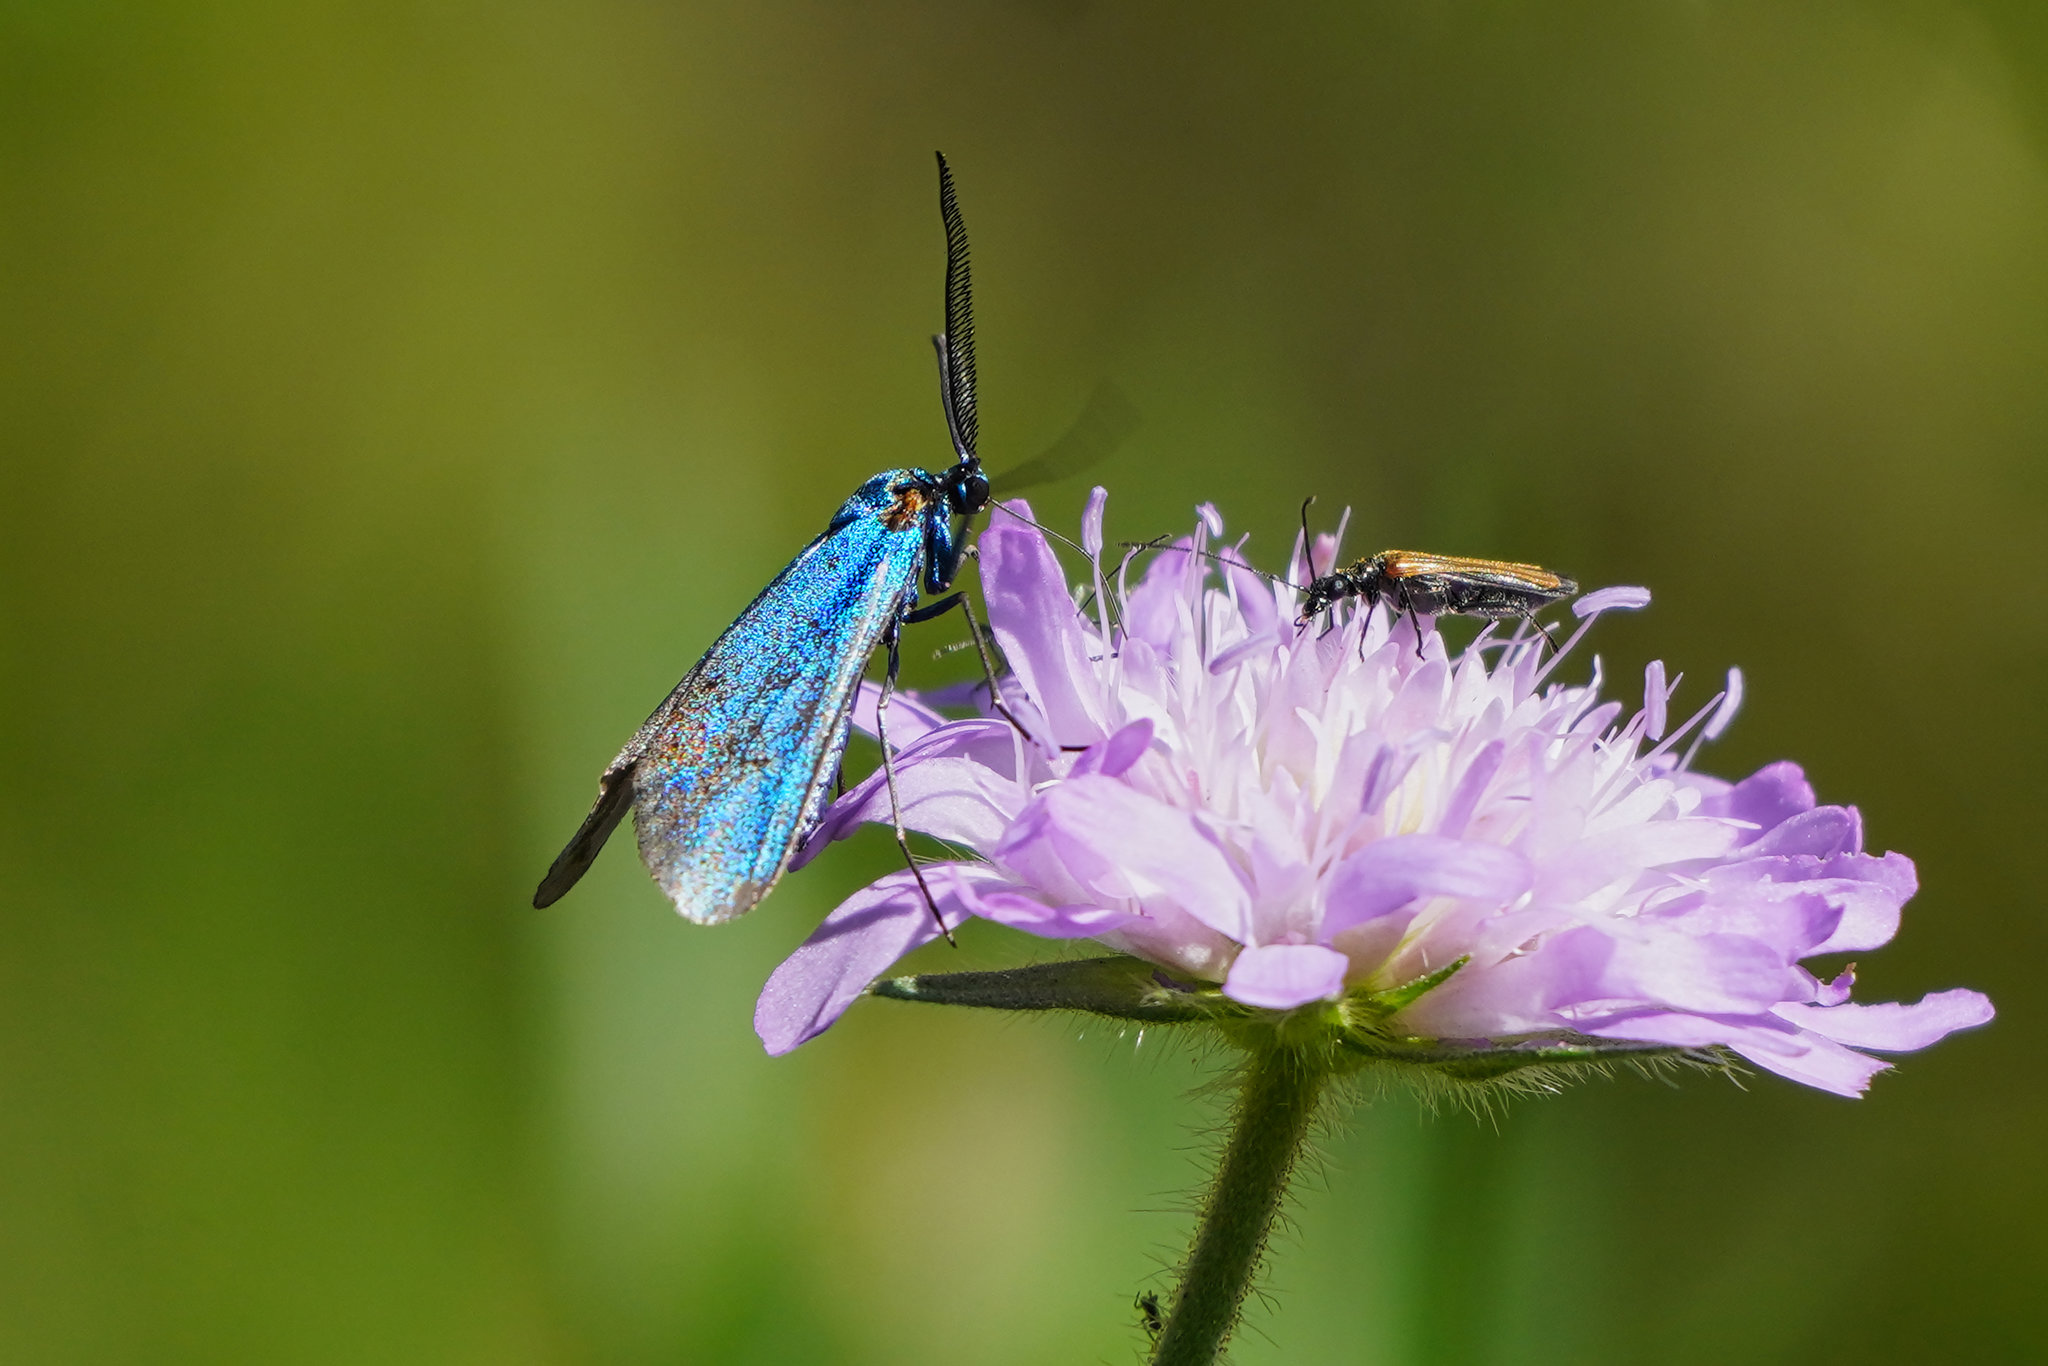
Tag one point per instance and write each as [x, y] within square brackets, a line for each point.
[969, 494]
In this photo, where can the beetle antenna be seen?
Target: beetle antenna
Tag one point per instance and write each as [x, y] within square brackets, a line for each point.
[1160, 543]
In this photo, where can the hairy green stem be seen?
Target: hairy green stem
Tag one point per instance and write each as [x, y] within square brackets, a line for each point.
[1276, 1102]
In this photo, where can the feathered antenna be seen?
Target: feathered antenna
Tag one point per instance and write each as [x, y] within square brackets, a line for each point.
[956, 344]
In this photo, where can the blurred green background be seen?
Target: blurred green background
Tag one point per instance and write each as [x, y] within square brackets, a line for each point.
[395, 400]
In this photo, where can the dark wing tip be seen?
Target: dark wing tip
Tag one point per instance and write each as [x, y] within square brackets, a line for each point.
[614, 798]
[562, 875]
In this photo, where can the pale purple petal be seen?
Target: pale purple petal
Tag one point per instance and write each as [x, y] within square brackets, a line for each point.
[856, 944]
[1035, 622]
[1833, 993]
[957, 783]
[1112, 758]
[1515, 995]
[948, 799]
[1388, 874]
[1610, 600]
[909, 717]
[1872, 892]
[968, 692]
[1712, 974]
[1893, 1026]
[1771, 1044]
[1817, 1062]
[1712, 792]
[1283, 976]
[1323, 558]
[1869, 891]
[1766, 798]
[1794, 926]
[1389, 766]
[1599, 861]
[1821, 832]
[1254, 598]
[1230, 657]
[1471, 787]
[1008, 905]
[1156, 610]
[1176, 940]
[1095, 839]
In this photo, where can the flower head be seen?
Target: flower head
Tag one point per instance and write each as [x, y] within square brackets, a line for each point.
[1463, 848]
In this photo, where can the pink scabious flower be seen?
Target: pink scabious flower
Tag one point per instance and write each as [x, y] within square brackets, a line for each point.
[1479, 853]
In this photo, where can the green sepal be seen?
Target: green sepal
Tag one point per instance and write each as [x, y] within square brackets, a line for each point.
[1488, 1059]
[1394, 999]
[1120, 986]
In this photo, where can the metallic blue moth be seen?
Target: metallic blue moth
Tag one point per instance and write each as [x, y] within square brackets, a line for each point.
[731, 771]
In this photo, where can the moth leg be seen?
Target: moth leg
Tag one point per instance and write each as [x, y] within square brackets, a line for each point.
[1546, 632]
[932, 610]
[988, 667]
[893, 640]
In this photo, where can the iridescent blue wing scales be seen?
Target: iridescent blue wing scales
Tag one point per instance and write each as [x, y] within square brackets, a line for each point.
[733, 767]
[730, 771]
